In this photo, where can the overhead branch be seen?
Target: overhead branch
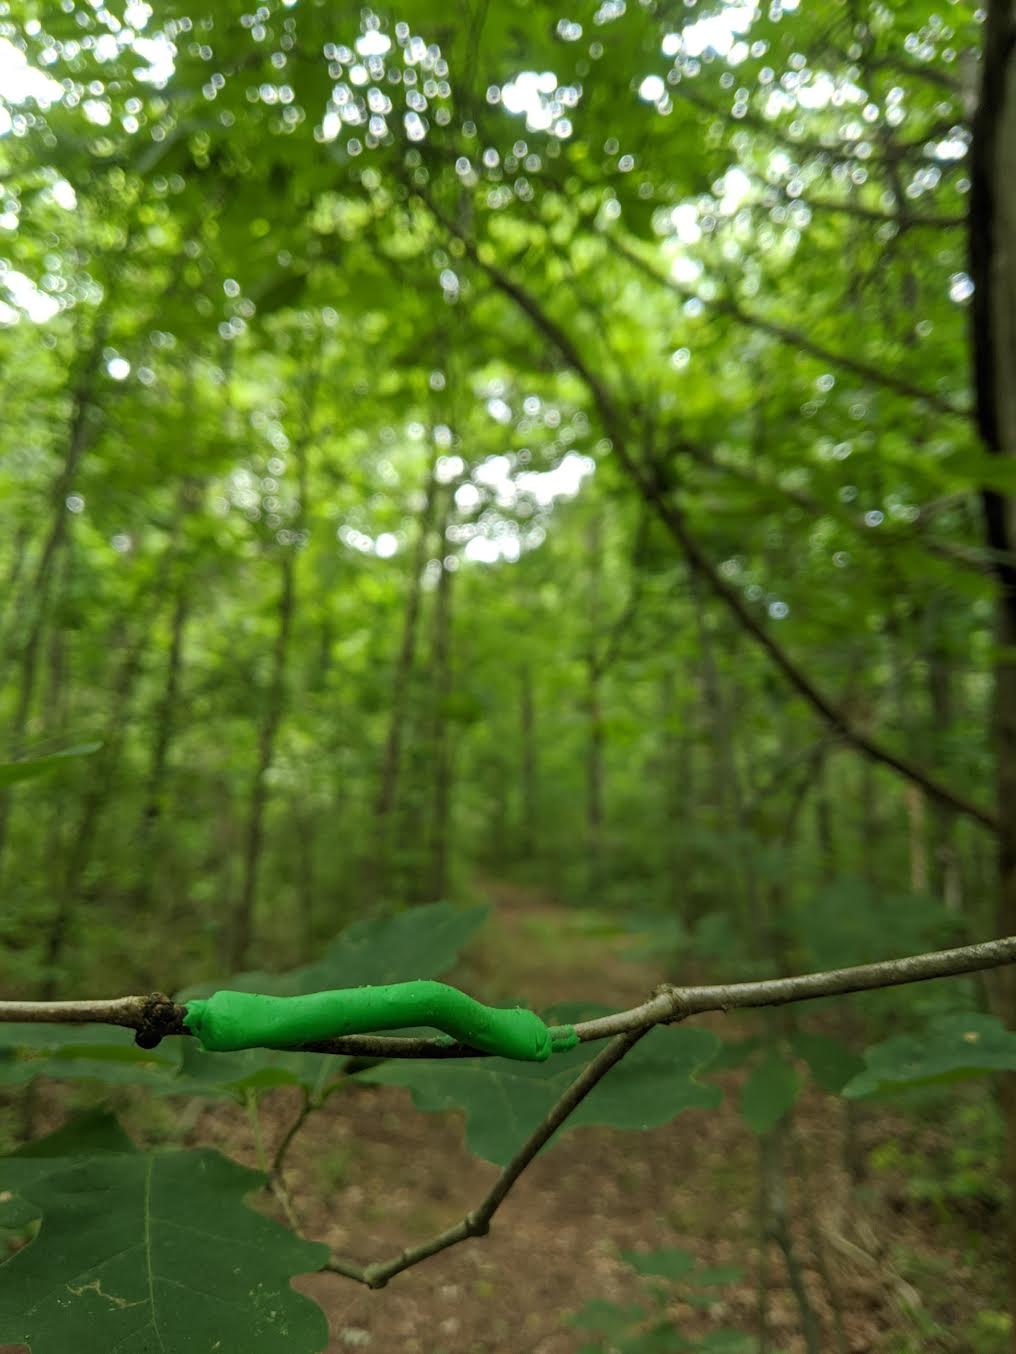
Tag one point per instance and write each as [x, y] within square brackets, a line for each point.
[966, 557]
[863, 213]
[673, 518]
[794, 338]
[847, 150]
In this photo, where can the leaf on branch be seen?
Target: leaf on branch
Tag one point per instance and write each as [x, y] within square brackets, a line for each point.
[831, 1063]
[100, 1053]
[144, 1251]
[769, 1093]
[12, 772]
[953, 1048]
[255, 1069]
[422, 942]
[667, 1263]
[504, 1101]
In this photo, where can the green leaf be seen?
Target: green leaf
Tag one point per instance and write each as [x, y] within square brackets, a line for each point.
[611, 1318]
[953, 1048]
[832, 1064]
[504, 1101]
[84, 1134]
[148, 1251]
[669, 1263]
[421, 942]
[726, 1341]
[12, 772]
[661, 1339]
[710, 1275]
[769, 1093]
[52, 1036]
[84, 1052]
[734, 1053]
[234, 1074]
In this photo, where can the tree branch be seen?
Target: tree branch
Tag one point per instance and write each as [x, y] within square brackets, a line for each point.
[477, 1222]
[793, 338]
[654, 494]
[964, 556]
[668, 1004]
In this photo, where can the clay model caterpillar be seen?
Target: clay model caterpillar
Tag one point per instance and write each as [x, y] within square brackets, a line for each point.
[227, 1021]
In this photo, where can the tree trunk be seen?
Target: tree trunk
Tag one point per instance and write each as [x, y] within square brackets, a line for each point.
[946, 880]
[391, 758]
[530, 816]
[992, 249]
[442, 783]
[34, 603]
[242, 930]
[678, 795]
[594, 712]
[165, 729]
[99, 787]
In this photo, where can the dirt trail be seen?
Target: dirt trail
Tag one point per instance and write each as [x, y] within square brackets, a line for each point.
[369, 1175]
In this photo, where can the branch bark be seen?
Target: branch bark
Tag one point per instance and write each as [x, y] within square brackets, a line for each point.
[156, 1016]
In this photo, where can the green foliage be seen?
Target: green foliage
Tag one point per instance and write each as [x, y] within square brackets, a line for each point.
[13, 772]
[422, 942]
[504, 1101]
[350, 400]
[139, 1250]
[630, 1329]
[957, 1175]
[831, 1064]
[769, 1093]
[952, 1048]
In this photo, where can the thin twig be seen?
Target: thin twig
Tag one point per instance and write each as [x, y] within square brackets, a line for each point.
[477, 1222]
[307, 1107]
[794, 338]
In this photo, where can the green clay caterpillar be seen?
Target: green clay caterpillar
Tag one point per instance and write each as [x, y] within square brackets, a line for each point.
[227, 1021]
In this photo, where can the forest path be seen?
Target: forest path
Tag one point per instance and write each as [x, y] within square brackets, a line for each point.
[369, 1174]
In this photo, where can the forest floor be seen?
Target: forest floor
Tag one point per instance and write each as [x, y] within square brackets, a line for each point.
[368, 1175]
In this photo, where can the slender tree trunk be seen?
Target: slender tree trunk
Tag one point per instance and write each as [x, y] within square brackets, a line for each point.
[165, 729]
[871, 822]
[594, 713]
[19, 552]
[992, 248]
[678, 794]
[98, 790]
[776, 1228]
[305, 839]
[529, 787]
[242, 931]
[824, 829]
[946, 880]
[728, 789]
[391, 757]
[913, 797]
[36, 599]
[442, 782]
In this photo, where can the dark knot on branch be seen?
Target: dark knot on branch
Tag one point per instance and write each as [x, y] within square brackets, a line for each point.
[158, 1016]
